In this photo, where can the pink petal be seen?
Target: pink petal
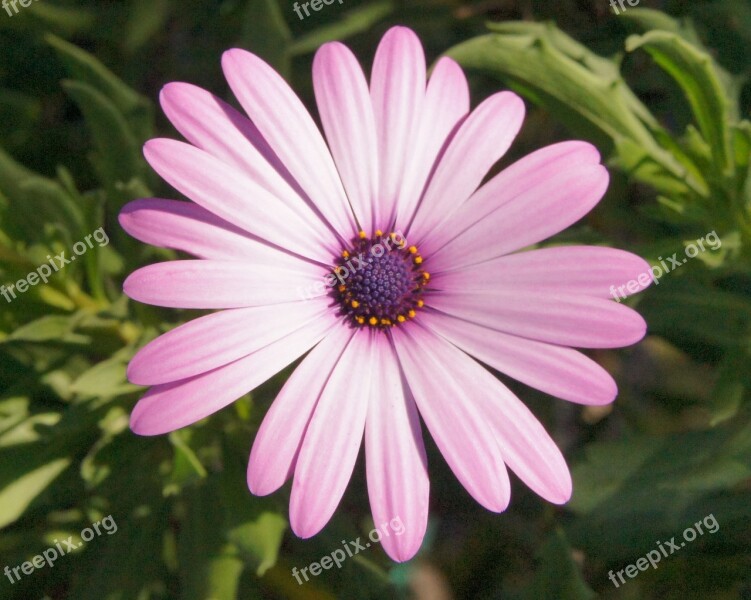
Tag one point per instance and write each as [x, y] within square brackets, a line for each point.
[214, 126]
[225, 284]
[556, 370]
[347, 116]
[397, 89]
[480, 141]
[188, 227]
[220, 338]
[557, 318]
[165, 408]
[445, 106]
[525, 445]
[590, 270]
[230, 194]
[522, 176]
[291, 132]
[397, 467]
[280, 436]
[444, 397]
[531, 217]
[332, 440]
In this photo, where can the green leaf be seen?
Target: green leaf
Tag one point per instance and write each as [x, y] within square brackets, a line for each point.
[59, 328]
[18, 494]
[696, 74]
[584, 90]
[698, 314]
[353, 22]
[118, 157]
[260, 540]
[65, 19]
[106, 379]
[629, 492]
[558, 577]
[266, 33]
[86, 69]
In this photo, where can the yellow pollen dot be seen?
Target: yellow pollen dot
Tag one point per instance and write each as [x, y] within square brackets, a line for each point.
[342, 288]
[401, 318]
[418, 260]
[379, 233]
[355, 304]
[413, 249]
[420, 303]
[362, 235]
[345, 253]
[385, 321]
[426, 276]
[373, 321]
[412, 314]
[361, 320]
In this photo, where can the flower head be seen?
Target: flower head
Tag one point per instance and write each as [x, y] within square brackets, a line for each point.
[380, 255]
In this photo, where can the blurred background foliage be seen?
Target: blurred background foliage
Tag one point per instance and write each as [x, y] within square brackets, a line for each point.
[663, 94]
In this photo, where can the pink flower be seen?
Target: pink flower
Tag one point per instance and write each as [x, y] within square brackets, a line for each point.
[379, 253]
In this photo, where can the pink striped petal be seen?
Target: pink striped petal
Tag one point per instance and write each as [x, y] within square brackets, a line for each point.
[522, 176]
[397, 89]
[590, 270]
[280, 436]
[165, 408]
[188, 227]
[459, 428]
[214, 126]
[525, 445]
[481, 140]
[220, 338]
[234, 197]
[532, 216]
[556, 370]
[332, 440]
[446, 105]
[214, 284]
[397, 467]
[291, 132]
[347, 116]
[556, 318]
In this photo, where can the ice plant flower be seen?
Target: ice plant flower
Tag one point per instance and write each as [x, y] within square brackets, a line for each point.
[380, 256]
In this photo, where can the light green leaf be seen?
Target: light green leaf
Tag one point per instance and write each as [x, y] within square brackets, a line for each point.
[17, 495]
[260, 539]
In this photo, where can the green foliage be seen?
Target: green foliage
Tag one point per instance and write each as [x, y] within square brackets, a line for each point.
[665, 99]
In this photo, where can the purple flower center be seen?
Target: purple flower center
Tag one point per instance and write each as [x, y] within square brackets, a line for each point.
[379, 281]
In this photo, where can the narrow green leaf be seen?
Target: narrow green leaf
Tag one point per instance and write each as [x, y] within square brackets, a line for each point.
[118, 153]
[581, 88]
[87, 69]
[17, 495]
[696, 74]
